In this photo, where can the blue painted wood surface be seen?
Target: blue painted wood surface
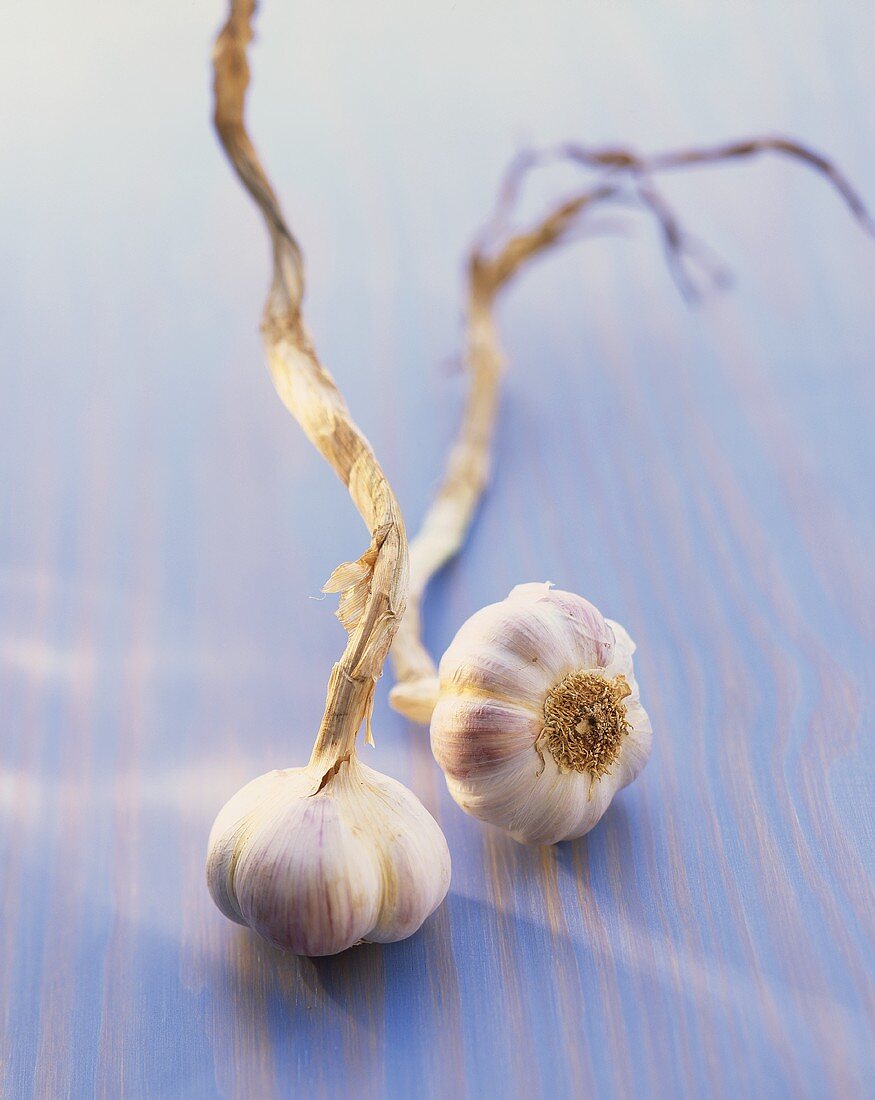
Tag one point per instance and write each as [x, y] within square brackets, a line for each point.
[704, 477]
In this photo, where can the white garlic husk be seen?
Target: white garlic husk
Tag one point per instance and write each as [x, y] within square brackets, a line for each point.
[538, 722]
[316, 862]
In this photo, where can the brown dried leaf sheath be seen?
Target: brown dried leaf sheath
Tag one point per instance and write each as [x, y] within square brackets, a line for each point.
[374, 589]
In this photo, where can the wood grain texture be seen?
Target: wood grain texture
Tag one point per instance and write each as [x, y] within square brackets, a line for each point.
[706, 478]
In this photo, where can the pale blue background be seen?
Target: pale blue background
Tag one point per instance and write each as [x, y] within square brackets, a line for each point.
[704, 477]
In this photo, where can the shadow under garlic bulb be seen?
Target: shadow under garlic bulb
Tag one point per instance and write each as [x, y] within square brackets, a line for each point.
[538, 723]
[317, 862]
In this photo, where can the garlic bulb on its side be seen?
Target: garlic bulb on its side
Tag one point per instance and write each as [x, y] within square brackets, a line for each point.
[538, 722]
[315, 864]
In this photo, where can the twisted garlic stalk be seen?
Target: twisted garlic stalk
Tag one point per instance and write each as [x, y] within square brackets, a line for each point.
[318, 858]
[374, 589]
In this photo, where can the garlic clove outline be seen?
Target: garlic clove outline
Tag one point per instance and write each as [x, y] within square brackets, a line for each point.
[315, 866]
[538, 721]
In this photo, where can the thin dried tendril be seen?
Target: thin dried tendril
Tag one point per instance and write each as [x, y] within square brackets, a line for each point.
[623, 178]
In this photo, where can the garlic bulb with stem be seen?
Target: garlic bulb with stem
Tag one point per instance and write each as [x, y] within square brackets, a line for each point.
[622, 177]
[317, 858]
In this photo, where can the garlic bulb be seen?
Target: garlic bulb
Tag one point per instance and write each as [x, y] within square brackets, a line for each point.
[315, 863]
[538, 722]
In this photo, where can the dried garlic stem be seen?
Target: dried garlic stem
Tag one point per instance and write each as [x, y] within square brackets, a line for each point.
[373, 589]
[625, 178]
[449, 516]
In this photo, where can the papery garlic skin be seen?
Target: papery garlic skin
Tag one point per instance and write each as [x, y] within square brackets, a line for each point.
[315, 871]
[488, 728]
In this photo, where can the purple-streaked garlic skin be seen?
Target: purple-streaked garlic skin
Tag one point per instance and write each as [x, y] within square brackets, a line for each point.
[486, 730]
[316, 871]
